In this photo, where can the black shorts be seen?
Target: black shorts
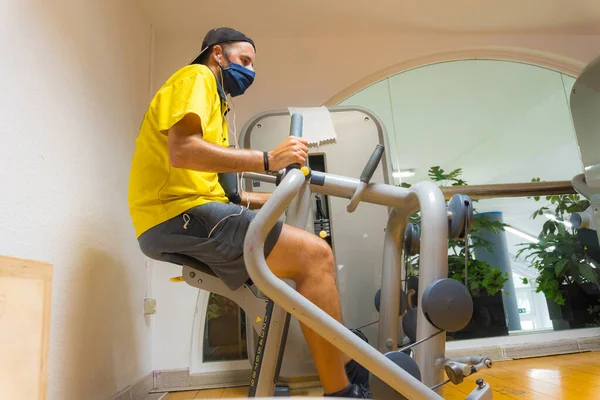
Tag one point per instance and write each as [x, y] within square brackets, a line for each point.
[212, 233]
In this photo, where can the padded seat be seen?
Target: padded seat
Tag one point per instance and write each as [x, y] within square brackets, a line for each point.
[181, 259]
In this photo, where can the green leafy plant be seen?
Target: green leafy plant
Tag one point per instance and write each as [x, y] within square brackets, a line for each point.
[214, 308]
[594, 311]
[481, 276]
[558, 255]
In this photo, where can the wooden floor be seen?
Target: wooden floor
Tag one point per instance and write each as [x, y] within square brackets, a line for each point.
[573, 376]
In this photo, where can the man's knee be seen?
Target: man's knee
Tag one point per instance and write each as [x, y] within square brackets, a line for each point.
[320, 255]
[299, 255]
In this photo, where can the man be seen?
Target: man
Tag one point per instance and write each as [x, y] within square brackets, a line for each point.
[178, 206]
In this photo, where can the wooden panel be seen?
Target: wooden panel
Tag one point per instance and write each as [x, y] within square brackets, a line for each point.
[25, 295]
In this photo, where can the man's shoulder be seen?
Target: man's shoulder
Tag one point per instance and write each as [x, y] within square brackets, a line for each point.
[194, 71]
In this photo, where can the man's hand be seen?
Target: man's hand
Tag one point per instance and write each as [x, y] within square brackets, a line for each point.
[293, 150]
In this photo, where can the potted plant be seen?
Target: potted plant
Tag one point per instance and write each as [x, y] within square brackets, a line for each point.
[567, 277]
[484, 281]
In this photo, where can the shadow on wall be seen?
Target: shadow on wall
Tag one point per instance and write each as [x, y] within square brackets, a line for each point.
[100, 333]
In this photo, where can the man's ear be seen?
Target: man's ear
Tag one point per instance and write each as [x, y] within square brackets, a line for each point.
[218, 53]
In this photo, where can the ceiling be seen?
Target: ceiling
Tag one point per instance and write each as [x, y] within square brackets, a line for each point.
[313, 18]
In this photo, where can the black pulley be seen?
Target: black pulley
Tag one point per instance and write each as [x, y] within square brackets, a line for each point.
[381, 390]
[409, 324]
[412, 236]
[377, 300]
[447, 304]
[460, 207]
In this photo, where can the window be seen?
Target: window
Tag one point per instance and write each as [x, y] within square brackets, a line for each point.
[224, 332]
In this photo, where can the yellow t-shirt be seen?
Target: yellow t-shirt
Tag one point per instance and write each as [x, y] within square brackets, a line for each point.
[157, 190]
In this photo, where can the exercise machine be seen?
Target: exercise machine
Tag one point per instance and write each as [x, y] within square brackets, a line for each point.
[445, 304]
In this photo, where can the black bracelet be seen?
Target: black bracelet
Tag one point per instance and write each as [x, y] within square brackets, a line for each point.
[266, 160]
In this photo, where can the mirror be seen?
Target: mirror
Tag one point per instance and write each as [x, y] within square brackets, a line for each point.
[482, 122]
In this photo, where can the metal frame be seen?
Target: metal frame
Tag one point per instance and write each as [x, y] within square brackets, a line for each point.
[253, 305]
[269, 353]
[424, 195]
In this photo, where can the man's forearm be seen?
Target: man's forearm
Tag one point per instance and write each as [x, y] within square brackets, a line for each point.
[256, 199]
[195, 153]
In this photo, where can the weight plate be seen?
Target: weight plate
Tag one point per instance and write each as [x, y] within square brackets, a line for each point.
[403, 300]
[381, 390]
[447, 304]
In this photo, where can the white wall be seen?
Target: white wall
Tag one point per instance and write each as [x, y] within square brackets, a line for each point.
[74, 83]
[307, 72]
[174, 320]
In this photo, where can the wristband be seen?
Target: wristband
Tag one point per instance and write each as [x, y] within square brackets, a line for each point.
[266, 160]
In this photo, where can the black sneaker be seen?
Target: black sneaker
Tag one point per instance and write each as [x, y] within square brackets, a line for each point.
[352, 391]
[360, 392]
[355, 372]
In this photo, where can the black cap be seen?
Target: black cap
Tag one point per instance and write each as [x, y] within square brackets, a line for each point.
[222, 35]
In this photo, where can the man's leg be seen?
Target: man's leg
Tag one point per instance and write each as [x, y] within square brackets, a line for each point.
[308, 261]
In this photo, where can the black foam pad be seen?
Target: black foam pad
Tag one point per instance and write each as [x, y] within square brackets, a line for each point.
[230, 184]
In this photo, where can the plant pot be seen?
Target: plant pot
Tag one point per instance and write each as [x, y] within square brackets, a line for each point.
[488, 320]
[574, 313]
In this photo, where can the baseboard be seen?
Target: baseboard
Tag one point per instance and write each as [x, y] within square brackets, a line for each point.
[138, 390]
[181, 379]
[507, 352]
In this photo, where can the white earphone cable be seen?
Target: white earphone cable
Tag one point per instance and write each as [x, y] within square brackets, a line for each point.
[236, 146]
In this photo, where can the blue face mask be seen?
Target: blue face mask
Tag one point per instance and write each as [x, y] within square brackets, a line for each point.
[236, 79]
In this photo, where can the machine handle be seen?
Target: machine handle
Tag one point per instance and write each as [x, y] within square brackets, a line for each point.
[372, 164]
[295, 130]
[365, 177]
[296, 125]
